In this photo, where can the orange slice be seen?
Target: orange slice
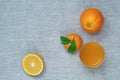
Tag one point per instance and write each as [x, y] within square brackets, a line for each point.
[33, 64]
[92, 54]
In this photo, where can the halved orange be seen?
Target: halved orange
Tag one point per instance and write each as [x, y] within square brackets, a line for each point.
[33, 64]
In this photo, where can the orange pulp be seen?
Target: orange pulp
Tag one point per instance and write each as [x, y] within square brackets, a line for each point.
[33, 64]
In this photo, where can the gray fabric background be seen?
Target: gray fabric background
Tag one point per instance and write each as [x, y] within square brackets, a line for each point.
[36, 26]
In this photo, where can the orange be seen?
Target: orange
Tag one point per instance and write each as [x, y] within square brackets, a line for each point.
[33, 64]
[77, 39]
[92, 54]
[92, 20]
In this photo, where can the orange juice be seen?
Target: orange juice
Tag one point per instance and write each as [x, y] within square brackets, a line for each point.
[92, 54]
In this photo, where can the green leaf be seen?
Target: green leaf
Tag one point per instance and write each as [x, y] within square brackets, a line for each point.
[64, 40]
[72, 47]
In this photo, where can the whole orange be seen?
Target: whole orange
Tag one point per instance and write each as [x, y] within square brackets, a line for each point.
[77, 39]
[92, 20]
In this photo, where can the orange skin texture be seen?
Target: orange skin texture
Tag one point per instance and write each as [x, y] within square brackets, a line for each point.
[77, 39]
[92, 20]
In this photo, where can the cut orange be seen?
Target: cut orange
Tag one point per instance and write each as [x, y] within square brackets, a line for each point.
[92, 54]
[33, 64]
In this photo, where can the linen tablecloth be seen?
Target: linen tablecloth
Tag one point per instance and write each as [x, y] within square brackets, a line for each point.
[36, 26]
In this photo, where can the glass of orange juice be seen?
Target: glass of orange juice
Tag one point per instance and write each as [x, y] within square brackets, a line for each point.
[92, 54]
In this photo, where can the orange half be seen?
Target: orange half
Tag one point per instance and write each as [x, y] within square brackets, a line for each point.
[33, 64]
[92, 54]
